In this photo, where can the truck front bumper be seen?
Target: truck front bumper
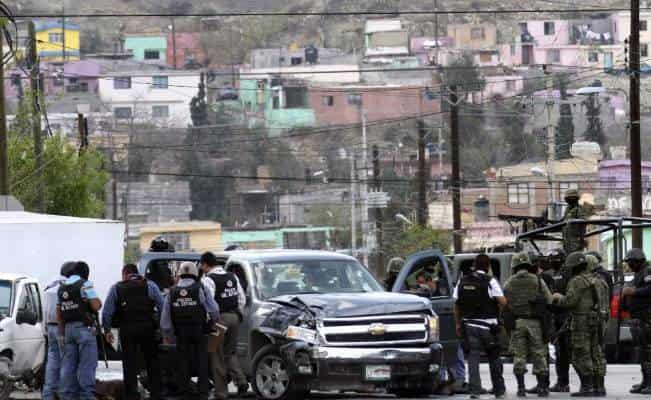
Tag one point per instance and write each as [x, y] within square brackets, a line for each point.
[347, 368]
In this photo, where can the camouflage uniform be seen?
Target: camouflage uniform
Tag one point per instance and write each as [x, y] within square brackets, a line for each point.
[585, 325]
[527, 338]
[573, 234]
[601, 293]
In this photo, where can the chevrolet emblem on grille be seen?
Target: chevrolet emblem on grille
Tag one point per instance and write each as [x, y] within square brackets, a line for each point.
[377, 329]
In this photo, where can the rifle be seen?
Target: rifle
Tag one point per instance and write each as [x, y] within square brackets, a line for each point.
[98, 330]
[565, 327]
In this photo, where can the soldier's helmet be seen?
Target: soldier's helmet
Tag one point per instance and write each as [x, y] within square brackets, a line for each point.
[188, 269]
[572, 194]
[593, 262]
[557, 255]
[395, 265]
[520, 260]
[635, 255]
[575, 260]
[595, 254]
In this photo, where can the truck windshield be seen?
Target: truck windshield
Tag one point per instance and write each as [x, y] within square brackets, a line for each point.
[5, 297]
[312, 276]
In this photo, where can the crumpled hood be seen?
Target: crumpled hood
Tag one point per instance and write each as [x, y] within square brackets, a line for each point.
[359, 304]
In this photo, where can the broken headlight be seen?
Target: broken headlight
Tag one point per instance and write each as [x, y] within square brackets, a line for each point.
[303, 334]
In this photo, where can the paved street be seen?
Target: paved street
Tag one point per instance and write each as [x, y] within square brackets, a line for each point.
[619, 380]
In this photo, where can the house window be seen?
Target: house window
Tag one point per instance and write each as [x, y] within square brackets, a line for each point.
[159, 82]
[553, 56]
[296, 97]
[122, 112]
[643, 25]
[563, 187]
[123, 82]
[160, 111]
[180, 240]
[485, 56]
[518, 194]
[510, 86]
[513, 50]
[328, 101]
[152, 55]
[523, 27]
[477, 33]
[644, 50]
[593, 56]
[55, 37]
[355, 99]
[549, 28]
[297, 60]
[275, 100]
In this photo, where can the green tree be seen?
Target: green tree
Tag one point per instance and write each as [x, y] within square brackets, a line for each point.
[463, 73]
[417, 238]
[594, 131]
[74, 182]
[565, 129]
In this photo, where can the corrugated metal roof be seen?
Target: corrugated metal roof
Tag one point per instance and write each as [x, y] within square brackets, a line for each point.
[571, 166]
[383, 25]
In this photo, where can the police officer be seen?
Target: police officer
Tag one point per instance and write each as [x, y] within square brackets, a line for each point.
[587, 355]
[227, 291]
[638, 300]
[133, 305]
[188, 311]
[556, 278]
[54, 353]
[477, 300]
[77, 303]
[527, 340]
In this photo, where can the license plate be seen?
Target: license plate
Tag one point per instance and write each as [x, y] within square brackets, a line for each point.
[378, 372]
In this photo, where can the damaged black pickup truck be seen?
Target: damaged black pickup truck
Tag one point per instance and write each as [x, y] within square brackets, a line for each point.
[320, 321]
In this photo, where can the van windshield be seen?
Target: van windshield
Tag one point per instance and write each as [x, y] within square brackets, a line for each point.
[5, 297]
[312, 276]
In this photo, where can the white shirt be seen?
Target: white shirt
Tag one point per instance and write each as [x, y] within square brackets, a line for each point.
[494, 290]
[210, 286]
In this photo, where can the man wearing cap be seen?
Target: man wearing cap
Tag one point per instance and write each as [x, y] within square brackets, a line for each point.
[582, 301]
[188, 312]
[54, 340]
[638, 300]
[527, 340]
[573, 234]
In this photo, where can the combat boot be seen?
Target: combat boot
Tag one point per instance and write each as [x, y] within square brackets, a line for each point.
[522, 392]
[560, 388]
[586, 389]
[599, 386]
[646, 373]
[543, 385]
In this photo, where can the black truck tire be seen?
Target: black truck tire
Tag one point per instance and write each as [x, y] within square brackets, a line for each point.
[270, 380]
[6, 384]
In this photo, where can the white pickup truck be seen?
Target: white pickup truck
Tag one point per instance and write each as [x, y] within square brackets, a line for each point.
[22, 339]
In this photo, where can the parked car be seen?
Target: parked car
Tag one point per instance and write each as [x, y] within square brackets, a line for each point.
[22, 339]
[319, 320]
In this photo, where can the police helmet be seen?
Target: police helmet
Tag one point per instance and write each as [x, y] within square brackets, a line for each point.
[395, 265]
[68, 269]
[572, 194]
[595, 254]
[576, 260]
[635, 255]
[520, 260]
[159, 244]
[188, 270]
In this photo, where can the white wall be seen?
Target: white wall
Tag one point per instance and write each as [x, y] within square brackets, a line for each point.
[141, 97]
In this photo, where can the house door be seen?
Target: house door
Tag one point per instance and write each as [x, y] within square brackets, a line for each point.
[527, 55]
[608, 60]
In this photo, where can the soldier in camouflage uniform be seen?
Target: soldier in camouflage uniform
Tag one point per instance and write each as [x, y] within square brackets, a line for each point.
[585, 325]
[527, 340]
[393, 269]
[573, 234]
[602, 293]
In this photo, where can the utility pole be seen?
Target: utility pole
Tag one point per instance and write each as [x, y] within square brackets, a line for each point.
[378, 213]
[422, 184]
[436, 30]
[4, 168]
[63, 29]
[551, 139]
[353, 205]
[636, 157]
[36, 117]
[364, 187]
[455, 181]
[173, 43]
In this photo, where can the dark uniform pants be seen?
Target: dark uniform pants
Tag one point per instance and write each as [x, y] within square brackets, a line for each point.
[134, 344]
[562, 350]
[193, 356]
[481, 339]
[224, 362]
[641, 330]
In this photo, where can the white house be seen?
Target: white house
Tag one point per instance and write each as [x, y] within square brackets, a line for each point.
[160, 97]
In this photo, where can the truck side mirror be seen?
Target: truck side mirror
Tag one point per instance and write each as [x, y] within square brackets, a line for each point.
[26, 317]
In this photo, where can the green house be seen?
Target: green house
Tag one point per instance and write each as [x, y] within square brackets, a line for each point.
[147, 48]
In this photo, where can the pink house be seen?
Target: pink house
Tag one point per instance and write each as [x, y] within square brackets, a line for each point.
[188, 50]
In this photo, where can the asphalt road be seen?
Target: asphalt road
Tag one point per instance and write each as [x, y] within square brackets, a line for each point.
[618, 382]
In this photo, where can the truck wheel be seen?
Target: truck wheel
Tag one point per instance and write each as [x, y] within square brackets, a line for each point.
[6, 385]
[271, 381]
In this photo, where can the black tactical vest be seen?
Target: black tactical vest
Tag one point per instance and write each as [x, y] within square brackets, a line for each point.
[74, 308]
[135, 308]
[640, 307]
[473, 297]
[185, 307]
[226, 294]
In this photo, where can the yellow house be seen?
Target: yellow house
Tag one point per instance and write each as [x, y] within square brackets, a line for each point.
[53, 38]
[196, 236]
